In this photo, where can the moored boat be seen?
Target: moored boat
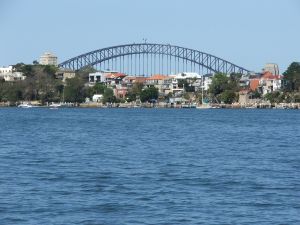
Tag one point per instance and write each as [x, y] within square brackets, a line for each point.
[204, 106]
[55, 105]
[25, 105]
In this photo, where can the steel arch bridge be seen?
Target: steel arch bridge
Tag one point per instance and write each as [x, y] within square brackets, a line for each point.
[150, 58]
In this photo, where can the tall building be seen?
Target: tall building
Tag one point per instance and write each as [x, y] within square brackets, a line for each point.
[272, 68]
[48, 59]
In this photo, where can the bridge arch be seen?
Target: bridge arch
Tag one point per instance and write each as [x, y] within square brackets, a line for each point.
[157, 52]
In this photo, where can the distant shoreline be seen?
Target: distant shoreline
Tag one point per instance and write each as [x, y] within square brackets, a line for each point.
[166, 106]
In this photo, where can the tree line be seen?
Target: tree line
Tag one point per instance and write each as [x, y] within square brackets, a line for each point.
[41, 85]
[225, 88]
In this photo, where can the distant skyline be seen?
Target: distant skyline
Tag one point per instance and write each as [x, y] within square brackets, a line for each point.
[248, 33]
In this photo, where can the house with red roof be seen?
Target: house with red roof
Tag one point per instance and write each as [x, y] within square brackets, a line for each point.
[254, 84]
[130, 80]
[114, 78]
[120, 91]
[161, 82]
[269, 83]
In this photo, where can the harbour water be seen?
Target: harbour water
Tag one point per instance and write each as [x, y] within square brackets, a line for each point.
[149, 166]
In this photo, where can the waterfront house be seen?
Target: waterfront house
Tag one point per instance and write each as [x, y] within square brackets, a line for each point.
[114, 78]
[64, 74]
[254, 84]
[15, 76]
[120, 90]
[207, 79]
[130, 80]
[168, 85]
[244, 81]
[157, 81]
[6, 70]
[8, 74]
[269, 83]
[192, 79]
[97, 77]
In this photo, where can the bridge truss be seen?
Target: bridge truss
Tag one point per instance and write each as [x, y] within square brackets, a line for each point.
[147, 59]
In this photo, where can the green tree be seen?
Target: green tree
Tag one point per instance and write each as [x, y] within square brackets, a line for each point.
[14, 93]
[50, 70]
[130, 97]
[18, 67]
[11, 91]
[27, 70]
[135, 91]
[255, 94]
[182, 83]
[98, 88]
[46, 84]
[219, 84]
[234, 81]
[297, 97]
[74, 90]
[3, 91]
[275, 97]
[186, 96]
[137, 88]
[223, 88]
[83, 73]
[187, 86]
[108, 96]
[168, 96]
[149, 94]
[30, 90]
[228, 96]
[40, 84]
[292, 77]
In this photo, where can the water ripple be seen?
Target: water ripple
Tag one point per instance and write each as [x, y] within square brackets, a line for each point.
[139, 166]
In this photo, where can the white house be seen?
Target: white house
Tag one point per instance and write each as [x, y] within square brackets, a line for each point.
[188, 75]
[64, 74]
[97, 77]
[97, 98]
[269, 83]
[194, 79]
[8, 74]
[207, 79]
[6, 70]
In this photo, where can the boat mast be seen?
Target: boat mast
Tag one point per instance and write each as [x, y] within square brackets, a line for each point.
[202, 89]
[63, 93]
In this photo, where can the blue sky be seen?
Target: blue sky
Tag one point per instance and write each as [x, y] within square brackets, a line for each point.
[248, 33]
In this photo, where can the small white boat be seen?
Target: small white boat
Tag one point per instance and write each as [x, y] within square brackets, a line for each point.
[25, 105]
[204, 106]
[188, 106]
[55, 105]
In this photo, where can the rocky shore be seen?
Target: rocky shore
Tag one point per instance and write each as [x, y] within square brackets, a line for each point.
[165, 105]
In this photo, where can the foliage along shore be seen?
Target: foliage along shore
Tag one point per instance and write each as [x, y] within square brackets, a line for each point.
[41, 85]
